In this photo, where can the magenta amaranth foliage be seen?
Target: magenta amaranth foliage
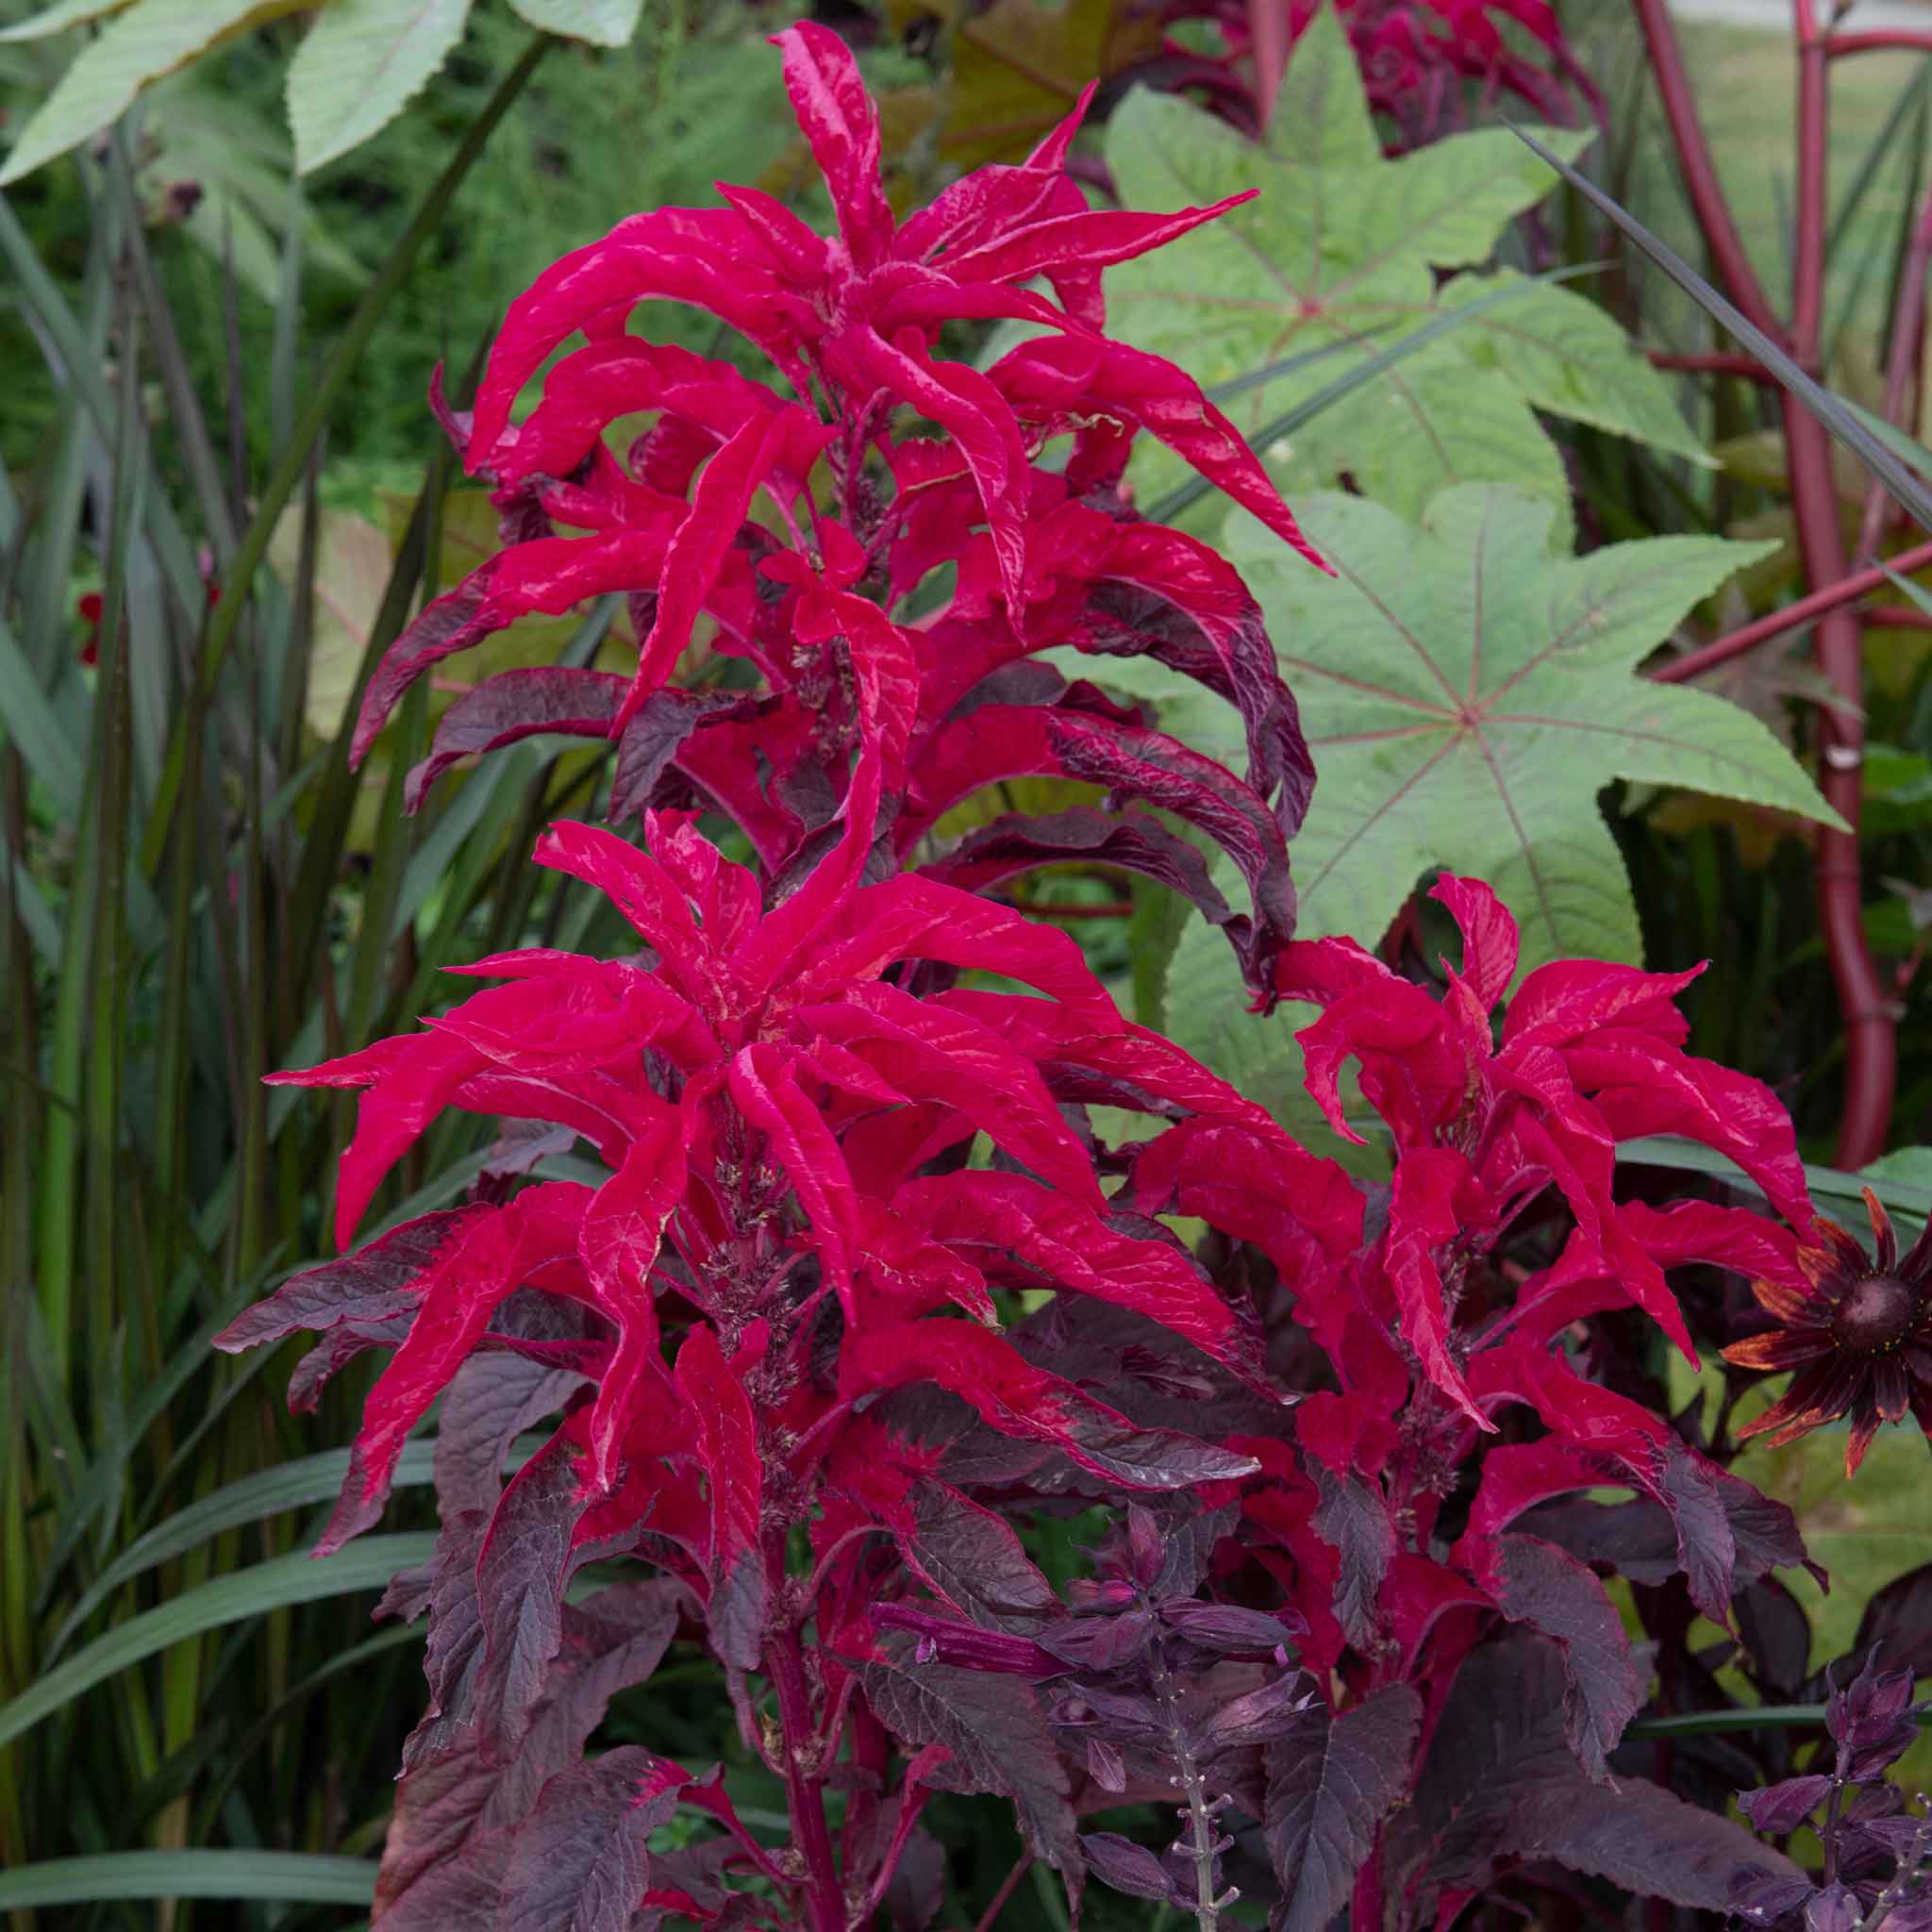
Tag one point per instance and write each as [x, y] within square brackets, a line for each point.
[860, 1296]
[1419, 58]
[885, 469]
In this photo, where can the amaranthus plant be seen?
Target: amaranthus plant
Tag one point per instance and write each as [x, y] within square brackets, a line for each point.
[868, 515]
[863, 1293]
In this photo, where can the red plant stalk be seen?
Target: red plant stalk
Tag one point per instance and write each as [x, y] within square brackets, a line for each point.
[1870, 1044]
[1748, 367]
[1870, 1048]
[1879, 40]
[1790, 617]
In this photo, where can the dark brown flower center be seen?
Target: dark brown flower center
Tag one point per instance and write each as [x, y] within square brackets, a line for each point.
[1875, 1314]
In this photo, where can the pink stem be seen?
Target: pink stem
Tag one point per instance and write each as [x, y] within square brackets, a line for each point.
[1699, 170]
[1790, 617]
[1879, 40]
[785, 1666]
[1714, 364]
[1838, 645]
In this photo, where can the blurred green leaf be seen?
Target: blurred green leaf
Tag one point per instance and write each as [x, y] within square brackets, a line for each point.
[148, 40]
[358, 68]
[292, 1877]
[603, 23]
[57, 19]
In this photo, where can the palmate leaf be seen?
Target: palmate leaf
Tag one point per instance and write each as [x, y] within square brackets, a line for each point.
[1343, 246]
[1469, 691]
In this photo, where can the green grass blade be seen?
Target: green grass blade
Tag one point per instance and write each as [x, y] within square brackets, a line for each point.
[340, 369]
[1666, 1150]
[369, 1564]
[35, 728]
[288, 1486]
[1842, 423]
[292, 1877]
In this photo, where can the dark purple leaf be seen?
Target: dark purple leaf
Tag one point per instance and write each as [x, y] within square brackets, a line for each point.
[1550, 1591]
[493, 1399]
[1353, 1521]
[660, 728]
[1764, 1897]
[917, 1892]
[736, 1614]
[1098, 1643]
[1776, 1636]
[368, 1292]
[1898, 1622]
[1500, 1782]
[512, 705]
[1159, 1458]
[1188, 1537]
[522, 1569]
[1227, 1628]
[1782, 1807]
[449, 1803]
[973, 1560]
[1132, 840]
[996, 1735]
[1835, 1908]
[1331, 1781]
[1126, 1867]
[1254, 1718]
[460, 1895]
[579, 1861]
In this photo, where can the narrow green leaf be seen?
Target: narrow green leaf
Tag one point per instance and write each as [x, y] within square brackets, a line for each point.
[343, 364]
[1902, 1180]
[369, 1564]
[359, 65]
[35, 729]
[291, 1486]
[295, 1877]
[1903, 488]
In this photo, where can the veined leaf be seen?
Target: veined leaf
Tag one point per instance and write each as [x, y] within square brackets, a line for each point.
[152, 38]
[359, 65]
[283, 1580]
[1341, 245]
[1469, 691]
[298, 1878]
[603, 23]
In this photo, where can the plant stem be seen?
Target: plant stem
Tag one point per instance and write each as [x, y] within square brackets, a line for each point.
[1701, 181]
[1715, 363]
[1200, 1819]
[1838, 645]
[1793, 616]
[1879, 40]
[1008, 1886]
[1869, 1029]
[804, 1794]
